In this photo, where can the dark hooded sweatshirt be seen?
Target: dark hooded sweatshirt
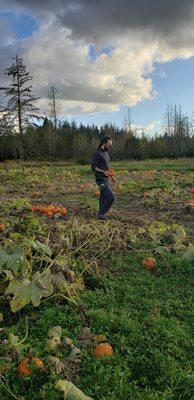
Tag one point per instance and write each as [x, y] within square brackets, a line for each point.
[101, 160]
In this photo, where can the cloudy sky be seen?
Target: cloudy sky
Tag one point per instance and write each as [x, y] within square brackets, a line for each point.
[104, 55]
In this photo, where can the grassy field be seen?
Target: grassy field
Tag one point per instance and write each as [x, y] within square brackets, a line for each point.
[86, 276]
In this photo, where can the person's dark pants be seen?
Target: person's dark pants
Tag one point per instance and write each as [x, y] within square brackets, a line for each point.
[106, 196]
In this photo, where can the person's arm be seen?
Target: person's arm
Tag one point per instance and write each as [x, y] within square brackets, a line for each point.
[97, 161]
[101, 170]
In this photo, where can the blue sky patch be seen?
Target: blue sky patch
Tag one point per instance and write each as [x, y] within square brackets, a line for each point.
[94, 53]
[22, 25]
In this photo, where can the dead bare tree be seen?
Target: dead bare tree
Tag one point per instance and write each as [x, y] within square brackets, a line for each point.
[20, 107]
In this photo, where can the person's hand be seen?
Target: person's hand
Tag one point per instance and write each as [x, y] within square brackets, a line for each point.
[106, 173]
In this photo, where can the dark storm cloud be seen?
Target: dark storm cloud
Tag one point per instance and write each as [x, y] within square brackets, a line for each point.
[95, 19]
[98, 18]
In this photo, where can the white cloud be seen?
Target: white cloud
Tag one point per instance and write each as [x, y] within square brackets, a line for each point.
[149, 129]
[55, 58]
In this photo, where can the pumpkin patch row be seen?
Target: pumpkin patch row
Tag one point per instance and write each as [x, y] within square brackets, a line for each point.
[49, 210]
[25, 367]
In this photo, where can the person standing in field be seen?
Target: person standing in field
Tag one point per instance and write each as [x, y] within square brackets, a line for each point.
[101, 166]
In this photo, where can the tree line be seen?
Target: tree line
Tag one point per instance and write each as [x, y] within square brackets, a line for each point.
[25, 134]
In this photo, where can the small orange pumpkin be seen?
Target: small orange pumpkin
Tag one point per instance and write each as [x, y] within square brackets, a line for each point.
[148, 263]
[49, 208]
[111, 173]
[146, 195]
[35, 208]
[103, 350]
[2, 227]
[23, 368]
[63, 211]
[57, 210]
[41, 209]
[192, 191]
[54, 210]
[44, 210]
[97, 193]
[38, 362]
[37, 195]
[49, 214]
[191, 203]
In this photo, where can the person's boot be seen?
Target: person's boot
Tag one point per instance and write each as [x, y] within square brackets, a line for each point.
[102, 217]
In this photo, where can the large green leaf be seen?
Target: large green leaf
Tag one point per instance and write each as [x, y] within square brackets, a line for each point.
[16, 285]
[44, 281]
[70, 391]
[10, 261]
[25, 291]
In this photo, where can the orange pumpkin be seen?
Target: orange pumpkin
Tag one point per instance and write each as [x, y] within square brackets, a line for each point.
[63, 211]
[148, 263]
[103, 350]
[146, 194]
[49, 208]
[54, 210]
[37, 195]
[191, 203]
[24, 365]
[44, 210]
[178, 174]
[192, 191]
[57, 210]
[49, 214]
[38, 362]
[111, 173]
[23, 368]
[2, 227]
[35, 208]
[41, 209]
[97, 193]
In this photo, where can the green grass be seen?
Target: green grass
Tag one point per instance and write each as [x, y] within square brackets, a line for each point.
[180, 165]
[148, 318]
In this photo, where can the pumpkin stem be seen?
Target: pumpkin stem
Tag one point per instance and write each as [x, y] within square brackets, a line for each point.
[26, 334]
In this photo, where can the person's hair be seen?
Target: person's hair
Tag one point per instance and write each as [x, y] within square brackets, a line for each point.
[104, 140]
